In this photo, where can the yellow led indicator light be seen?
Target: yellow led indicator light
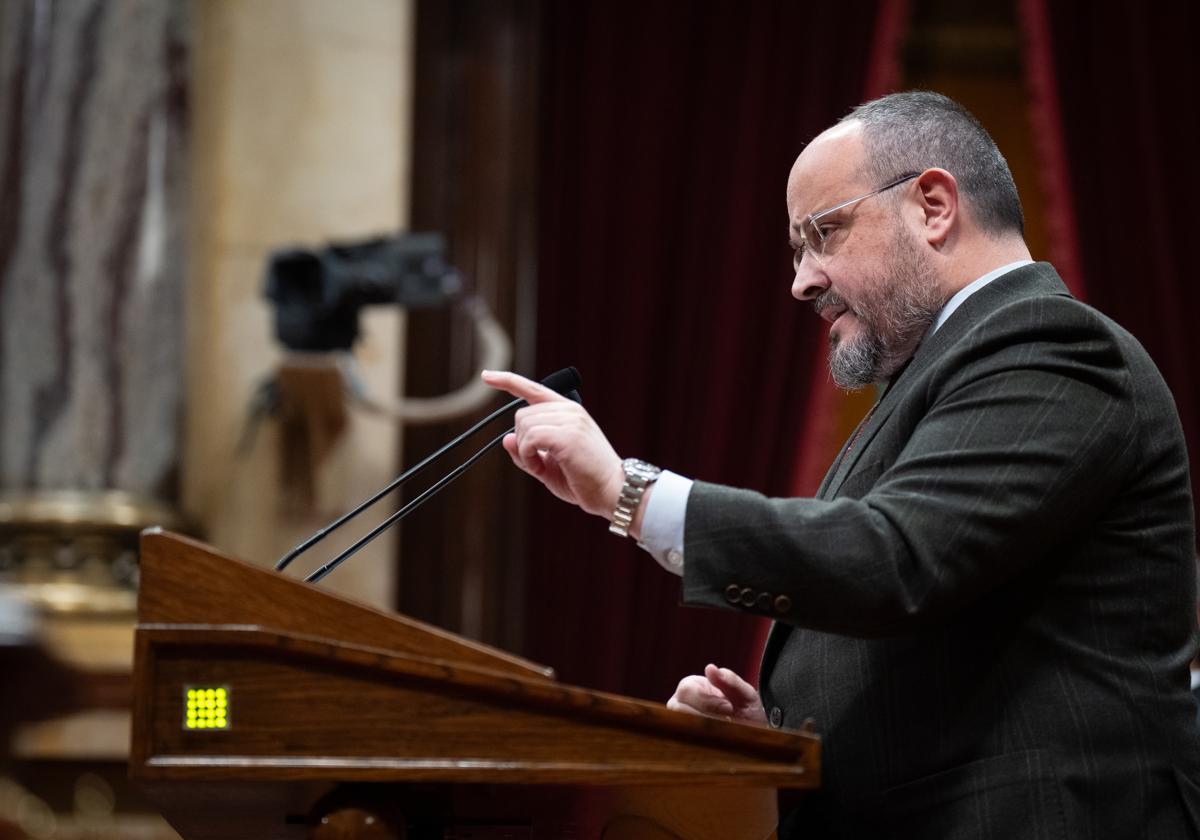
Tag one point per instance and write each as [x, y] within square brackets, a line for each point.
[206, 707]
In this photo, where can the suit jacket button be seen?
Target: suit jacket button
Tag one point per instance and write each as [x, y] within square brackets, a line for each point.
[776, 717]
[763, 602]
[748, 596]
[732, 593]
[782, 604]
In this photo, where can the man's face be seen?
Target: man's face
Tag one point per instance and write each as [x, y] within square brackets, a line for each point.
[876, 285]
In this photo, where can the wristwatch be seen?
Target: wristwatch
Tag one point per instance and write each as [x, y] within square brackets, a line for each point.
[638, 476]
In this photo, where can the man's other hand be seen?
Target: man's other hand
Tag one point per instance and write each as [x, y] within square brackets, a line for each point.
[557, 442]
[718, 692]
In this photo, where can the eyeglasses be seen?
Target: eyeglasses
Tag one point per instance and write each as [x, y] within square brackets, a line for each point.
[816, 237]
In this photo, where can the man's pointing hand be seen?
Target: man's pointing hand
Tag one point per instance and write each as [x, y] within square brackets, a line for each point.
[557, 442]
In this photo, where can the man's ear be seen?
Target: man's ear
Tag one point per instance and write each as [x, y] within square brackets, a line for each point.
[937, 198]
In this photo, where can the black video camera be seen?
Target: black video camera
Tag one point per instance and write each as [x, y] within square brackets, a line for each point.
[317, 294]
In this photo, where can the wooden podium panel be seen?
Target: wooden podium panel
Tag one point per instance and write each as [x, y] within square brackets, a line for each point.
[333, 709]
[186, 582]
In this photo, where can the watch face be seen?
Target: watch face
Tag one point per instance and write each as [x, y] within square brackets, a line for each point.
[639, 468]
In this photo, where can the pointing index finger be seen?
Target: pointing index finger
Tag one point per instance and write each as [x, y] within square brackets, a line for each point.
[517, 385]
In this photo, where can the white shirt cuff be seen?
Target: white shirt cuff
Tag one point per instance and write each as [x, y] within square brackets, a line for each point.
[662, 523]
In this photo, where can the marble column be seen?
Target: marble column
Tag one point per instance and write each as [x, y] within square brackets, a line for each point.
[93, 206]
[94, 200]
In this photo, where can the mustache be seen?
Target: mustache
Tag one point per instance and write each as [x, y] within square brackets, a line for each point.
[829, 299]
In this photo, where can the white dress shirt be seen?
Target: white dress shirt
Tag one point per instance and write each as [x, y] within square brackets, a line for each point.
[666, 507]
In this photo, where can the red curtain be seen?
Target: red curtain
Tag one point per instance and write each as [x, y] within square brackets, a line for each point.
[668, 133]
[1114, 93]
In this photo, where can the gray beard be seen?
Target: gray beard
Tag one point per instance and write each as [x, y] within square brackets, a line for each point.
[895, 315]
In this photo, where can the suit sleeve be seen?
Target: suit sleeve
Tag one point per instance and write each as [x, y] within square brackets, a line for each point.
[1018, 437]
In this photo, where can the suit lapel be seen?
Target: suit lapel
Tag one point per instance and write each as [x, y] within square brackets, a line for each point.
[870, 424]
[842, 453]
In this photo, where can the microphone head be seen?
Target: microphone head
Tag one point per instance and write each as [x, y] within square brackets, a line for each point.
[563, 381]
[573, 396]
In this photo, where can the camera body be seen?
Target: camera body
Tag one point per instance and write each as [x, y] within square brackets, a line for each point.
[318, 293]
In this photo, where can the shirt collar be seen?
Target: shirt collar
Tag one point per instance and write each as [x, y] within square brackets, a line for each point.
[970, 289]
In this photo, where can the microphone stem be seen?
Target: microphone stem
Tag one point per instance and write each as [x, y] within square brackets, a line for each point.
[404, 511]
[415, 470]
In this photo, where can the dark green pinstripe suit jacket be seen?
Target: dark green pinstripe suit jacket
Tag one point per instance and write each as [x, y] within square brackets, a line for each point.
[991, 602]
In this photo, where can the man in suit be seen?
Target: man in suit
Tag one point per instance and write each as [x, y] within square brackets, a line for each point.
[988, 609]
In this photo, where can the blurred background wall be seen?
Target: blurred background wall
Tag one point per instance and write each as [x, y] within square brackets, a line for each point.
[609, 179]
[301, 136]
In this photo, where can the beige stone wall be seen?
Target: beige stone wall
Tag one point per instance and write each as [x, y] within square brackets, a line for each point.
[301, 135]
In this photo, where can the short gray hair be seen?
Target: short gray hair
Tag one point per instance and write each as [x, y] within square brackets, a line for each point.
[915, 130]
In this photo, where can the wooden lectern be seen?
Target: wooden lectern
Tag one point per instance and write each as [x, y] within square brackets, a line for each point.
[267, 708]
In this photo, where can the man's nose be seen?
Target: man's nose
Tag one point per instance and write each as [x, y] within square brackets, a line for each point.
[810, 281]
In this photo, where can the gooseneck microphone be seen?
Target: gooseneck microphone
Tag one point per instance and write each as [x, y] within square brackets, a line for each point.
[565, 382]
